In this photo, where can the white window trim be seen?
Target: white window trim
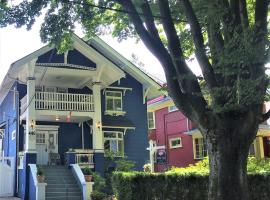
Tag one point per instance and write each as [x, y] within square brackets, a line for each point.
[172, 110]
[154, 121]
[197, 157]
[121, 98]
[117, 138]
[175, 139]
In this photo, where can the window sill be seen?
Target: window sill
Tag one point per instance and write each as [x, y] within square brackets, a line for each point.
[176, 147]
[115, 113]
[199, 158]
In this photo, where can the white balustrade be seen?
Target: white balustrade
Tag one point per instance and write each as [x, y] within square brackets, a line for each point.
[61, 101]
[84, 159]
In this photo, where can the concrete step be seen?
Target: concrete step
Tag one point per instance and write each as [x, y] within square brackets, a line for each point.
[64, 198]
[61, 194]
[77, 189]
[61, 184]
[57, 185]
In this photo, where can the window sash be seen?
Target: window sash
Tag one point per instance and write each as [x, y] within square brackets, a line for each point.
[114, 101]
[175, 142]
[114, 142]
[200, 148]
[151, 120]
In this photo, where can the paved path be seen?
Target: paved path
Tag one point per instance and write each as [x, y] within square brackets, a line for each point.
[9, 198]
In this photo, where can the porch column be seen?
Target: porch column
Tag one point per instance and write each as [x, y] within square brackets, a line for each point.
[97, 119]
[30, 136]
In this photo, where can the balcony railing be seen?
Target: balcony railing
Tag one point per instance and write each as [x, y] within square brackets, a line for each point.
[61, 102]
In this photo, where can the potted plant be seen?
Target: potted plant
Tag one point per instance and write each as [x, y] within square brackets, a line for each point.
[88, 174]
[40, 175]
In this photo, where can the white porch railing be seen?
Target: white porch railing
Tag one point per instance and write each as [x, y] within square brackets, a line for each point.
[84, 159]
[61, 101]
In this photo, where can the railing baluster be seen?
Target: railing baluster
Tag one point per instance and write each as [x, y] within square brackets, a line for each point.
[61, 101]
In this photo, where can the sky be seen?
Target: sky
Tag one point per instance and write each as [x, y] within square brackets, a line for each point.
[16, 43]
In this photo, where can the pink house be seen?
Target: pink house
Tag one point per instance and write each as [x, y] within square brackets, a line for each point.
[177, 142]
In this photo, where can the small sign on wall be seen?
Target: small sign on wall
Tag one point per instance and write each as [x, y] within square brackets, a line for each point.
[161, 156]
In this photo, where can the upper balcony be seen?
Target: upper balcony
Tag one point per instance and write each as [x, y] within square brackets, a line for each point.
[61, 102]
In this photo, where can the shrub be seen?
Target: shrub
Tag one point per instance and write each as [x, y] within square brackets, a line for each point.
[124, 165]
[87, 171]
[177, 186]
[254, 165]
[39, 171]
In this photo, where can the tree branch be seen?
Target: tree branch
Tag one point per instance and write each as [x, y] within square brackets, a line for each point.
[243, 13]
[265, 116]
[205, 65]
[193, 108]
[188, 81]
[149, 21]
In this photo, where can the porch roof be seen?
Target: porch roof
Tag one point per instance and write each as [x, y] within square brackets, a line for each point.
[117, 122]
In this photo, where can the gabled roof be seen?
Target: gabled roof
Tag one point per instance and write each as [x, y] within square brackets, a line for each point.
[126, 65]
[100, 46]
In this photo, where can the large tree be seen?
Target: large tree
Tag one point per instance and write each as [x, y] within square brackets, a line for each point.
[230, 41]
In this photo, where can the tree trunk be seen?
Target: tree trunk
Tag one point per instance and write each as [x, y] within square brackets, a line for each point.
[228, 153]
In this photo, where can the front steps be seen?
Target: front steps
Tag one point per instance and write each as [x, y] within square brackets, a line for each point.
[61, 184]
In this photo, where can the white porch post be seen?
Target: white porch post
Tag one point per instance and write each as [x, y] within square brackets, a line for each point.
[97, 120]
[151, 149]
[30, 140]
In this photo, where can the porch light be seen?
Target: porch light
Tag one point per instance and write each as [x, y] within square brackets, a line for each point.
[32, 126]
[57, 118]
[98, 125]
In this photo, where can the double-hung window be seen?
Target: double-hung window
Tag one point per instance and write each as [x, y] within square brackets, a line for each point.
[151, 120]
[114, 142]
[114, 101]
[200, 148]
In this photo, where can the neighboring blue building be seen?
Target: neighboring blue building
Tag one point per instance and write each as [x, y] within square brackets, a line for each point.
[70, 108]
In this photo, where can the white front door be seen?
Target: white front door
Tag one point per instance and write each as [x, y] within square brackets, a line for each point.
[42, 147]
[46, 142]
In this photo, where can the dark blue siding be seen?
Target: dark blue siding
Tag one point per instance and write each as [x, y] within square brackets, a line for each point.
[135, 142]
[74, 57]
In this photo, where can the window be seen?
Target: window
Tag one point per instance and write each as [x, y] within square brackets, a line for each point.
[113, 142]
[114, 101]
[172, 108]
[200, 148]
[151, 120]
[40, 138]
[175, 143]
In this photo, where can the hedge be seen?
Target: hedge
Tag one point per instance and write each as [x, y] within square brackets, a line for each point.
[175, 186]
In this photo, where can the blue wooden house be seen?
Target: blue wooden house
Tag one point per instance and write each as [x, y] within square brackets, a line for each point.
[67, 110]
